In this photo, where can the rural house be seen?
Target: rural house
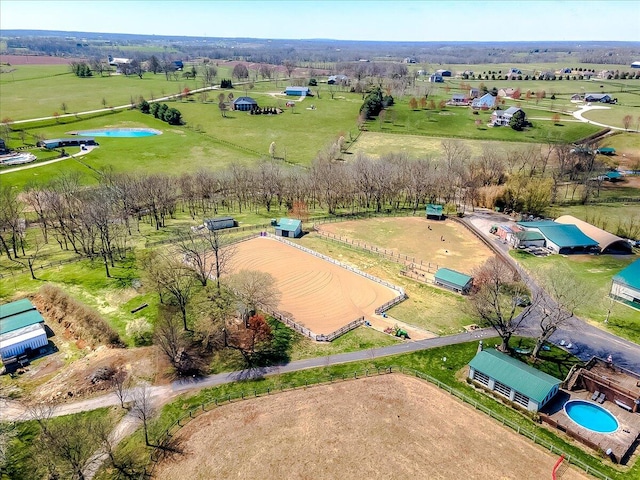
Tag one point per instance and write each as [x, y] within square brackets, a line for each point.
[444, 73]
[503, 117]
[459, 99]
[625, 287]
[245, 104]
[513, 379]
[485, 102]
[338, 80]
[598, 97]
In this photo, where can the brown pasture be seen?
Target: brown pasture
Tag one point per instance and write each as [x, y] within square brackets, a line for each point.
[445, 243]
[393, 426]
[314, 292]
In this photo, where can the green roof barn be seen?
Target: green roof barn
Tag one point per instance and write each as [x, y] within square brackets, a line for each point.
[288, 227]
[435, 211]
[453, 280]
[513, 379]
[561, 238]
[21, 329]
[626, 285]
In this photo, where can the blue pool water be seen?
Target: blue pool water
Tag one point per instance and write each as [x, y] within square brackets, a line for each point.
[120, 132]
[591, 416]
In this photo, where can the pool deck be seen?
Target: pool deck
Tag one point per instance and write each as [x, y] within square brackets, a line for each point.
[620, 442]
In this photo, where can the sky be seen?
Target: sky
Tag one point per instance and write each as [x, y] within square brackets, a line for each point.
[385, 20]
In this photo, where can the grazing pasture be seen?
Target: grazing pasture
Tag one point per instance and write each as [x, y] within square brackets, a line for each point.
[391, 426]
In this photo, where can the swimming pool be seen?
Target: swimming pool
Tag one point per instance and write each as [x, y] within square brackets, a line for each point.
[591, 416]
[120, 132]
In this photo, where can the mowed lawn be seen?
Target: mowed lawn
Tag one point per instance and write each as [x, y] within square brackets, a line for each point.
[595, 273]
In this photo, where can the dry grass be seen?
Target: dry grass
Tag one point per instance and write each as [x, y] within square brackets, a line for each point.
[392, 427]
[82, 323]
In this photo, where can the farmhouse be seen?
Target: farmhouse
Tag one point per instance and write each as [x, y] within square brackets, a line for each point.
[444, 73]
[598, 97]
[513, 379]
[515, 71]
[288, 227]
[338, 80]
[118, 62]
[503, 117]
[576, 97]
[220, 223]
[561, 238]
[506, 92]
[459, 99]
[298, 91]
[625, 286]
[436, 78]
[607, 242]
[66, 142]
[456, 281]
[21, 330]
[474, 92]
[484, 102]
[245, 104]
[435, 211]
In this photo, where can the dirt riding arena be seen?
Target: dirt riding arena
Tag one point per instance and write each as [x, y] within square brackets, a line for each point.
[392, 426]
[446, 243]
[317, 294]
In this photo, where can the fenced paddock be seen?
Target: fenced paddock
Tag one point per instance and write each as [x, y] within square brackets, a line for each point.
[429, 244]
[317, 292]
[382, 426]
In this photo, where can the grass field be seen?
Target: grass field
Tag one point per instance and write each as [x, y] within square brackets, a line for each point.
[595, 273]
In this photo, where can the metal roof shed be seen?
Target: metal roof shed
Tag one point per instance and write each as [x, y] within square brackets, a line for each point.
[22, 340]
[21, 320]
[513, 379]
[288, 227]
[625, 286]
[453, 280]
[13, 308]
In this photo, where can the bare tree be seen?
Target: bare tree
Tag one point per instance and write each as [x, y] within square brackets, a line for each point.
[289, 66]
[254, 290]
[121, 384]
[557, 305]
[495, 299]
[222, 251]
[240, 71]
[209, 73]
[143, 409]
[266, 71]
[195, 250]
[626, 121]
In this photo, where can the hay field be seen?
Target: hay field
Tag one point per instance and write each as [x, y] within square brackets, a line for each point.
[393, 427]
[446, 243]
[314, 292]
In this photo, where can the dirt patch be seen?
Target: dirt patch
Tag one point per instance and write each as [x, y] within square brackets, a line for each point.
[316, 293]
[442, 243]
[381, 427]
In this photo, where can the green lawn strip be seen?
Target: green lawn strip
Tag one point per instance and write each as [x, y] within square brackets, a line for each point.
[595, 273]
[430, 362]
[22, 460]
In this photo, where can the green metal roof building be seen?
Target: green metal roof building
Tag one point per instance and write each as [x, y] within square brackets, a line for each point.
[456, 281]
[560, 237]
[625, 287]
[435, 211]
[19, 314]
[513, 379]
[288, 227]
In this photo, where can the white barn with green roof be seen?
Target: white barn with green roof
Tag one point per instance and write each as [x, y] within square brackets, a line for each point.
[513, 379]
[625, 286]
[456, 281]
[21, 330]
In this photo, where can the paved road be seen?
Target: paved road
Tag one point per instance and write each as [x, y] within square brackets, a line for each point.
[578, 116]
[587, 340]
[12, 410]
